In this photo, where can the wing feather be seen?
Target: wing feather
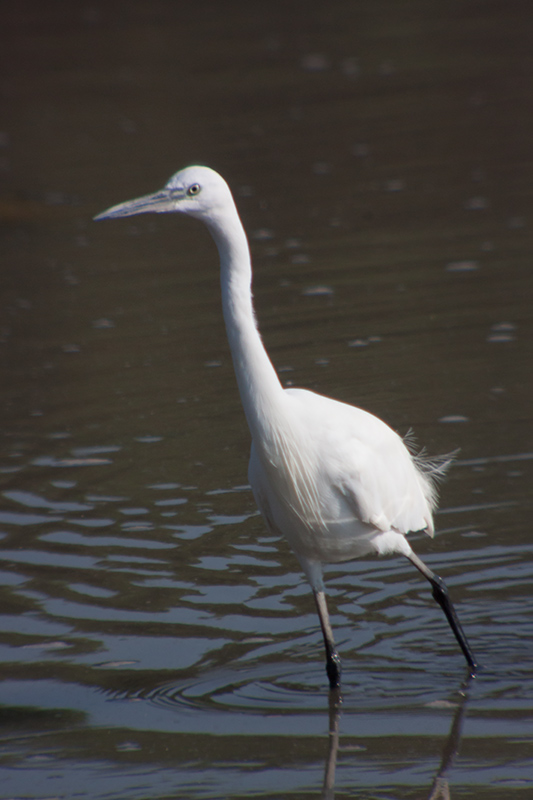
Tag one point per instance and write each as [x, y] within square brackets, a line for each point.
[382, 481]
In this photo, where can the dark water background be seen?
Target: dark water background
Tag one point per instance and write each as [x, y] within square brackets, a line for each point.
[155, 642]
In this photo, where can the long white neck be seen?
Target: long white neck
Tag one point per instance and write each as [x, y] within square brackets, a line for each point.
[259, 386]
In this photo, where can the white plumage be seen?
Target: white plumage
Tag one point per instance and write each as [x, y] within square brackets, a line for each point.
[333, 479]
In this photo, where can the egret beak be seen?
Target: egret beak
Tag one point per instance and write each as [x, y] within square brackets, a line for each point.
[158, 203]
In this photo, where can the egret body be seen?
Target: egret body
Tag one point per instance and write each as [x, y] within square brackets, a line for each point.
[333, 479]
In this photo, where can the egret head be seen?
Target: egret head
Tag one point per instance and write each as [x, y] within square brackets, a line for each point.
[198, 191]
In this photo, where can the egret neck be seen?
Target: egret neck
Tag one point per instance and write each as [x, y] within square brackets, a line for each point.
[259, 386]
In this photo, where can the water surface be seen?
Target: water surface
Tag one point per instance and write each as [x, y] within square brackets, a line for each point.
[155, 641]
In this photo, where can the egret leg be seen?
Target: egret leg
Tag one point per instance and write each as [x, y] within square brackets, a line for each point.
[333, 662]
[440, 594]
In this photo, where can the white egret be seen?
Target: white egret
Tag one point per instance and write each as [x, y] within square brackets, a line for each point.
[333, 479]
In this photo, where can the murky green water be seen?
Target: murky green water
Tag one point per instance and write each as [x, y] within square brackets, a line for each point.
[155, 642]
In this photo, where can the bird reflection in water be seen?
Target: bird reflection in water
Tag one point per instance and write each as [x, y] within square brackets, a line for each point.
[440, 789]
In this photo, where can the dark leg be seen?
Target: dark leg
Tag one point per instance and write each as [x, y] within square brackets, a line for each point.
[440, 594]
[333, 662]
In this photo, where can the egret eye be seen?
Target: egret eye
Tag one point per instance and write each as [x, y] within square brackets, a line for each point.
[194, 189]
